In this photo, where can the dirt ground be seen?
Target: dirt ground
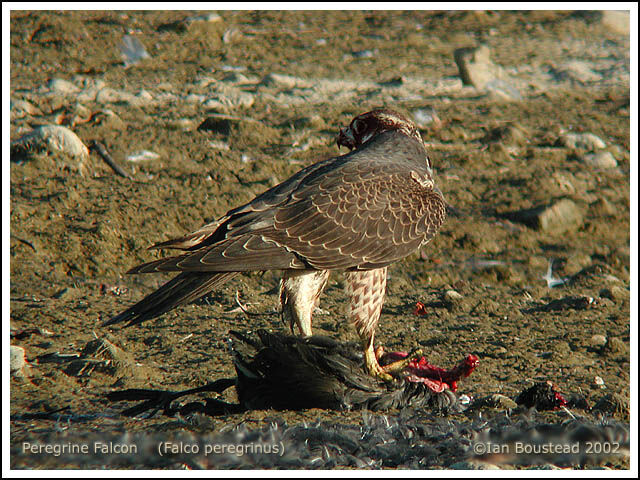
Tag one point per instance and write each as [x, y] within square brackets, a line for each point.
[289, 80]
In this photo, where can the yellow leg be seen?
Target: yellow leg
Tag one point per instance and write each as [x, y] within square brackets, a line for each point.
[371, 362]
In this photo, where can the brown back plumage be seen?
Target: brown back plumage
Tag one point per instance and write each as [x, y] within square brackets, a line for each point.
[359, 211]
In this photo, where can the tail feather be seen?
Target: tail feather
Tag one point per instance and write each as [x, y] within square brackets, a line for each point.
[184, 288]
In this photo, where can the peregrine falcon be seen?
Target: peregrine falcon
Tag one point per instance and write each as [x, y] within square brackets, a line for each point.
[356, 213]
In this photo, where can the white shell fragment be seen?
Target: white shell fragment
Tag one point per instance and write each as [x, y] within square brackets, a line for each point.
[142, 156]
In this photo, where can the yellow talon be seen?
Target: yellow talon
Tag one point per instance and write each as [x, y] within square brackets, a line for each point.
[400, 365]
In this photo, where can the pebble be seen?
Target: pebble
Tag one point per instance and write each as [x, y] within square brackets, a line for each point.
[219, 124]
[132, 50]
[17, 360]
[578, 71]
[110, 95]
[599, 382]
[559, 217]
[109, 119]
[581, 141]
[144, 96]
[22, 108]
[218, 145]
[231, 98]
[475, 66]
[232, 34]
[195, 98]
[502, 90]
[283, 81]
[225, 124]
[104, 356]
[615, 292]
[52, 138]
[452, 296]
[603, 208]
[184, 124]
[602, 159]
[364, 53]
[207, 17]
[142, 156]
[314, 121]
[510, 135]
[63, 87]
[615, 347]
[598, 340]
[426, 116]
[236, 78]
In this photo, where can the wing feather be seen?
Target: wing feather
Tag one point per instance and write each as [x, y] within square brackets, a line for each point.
[346, 212]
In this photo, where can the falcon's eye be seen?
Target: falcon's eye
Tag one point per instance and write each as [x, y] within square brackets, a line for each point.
[359, 126]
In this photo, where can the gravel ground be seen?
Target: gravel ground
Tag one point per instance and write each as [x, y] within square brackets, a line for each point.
[527, 119]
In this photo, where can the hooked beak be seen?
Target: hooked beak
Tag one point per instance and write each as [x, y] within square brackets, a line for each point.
[346, 139]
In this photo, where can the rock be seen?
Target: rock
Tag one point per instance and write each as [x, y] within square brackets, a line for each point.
[475, 66]
[243, 126]
[132, 50]
[598, 340]
[452, 299]
[315, 122]
[219, 124]
[617, 21]
[578, 71]
[283, 81]
[144, 96]
[615, 348]
[184, 124]
[206, 17]
[229, 98]
[502, 90]
[426, 116]
[364, 53]
[63, 87]
[510, 135]
[559, 217]
[602, 159]
[579, 302]
[195, 98]
[109, 95]
[51, 139]
[17, 361]
[615, 293]
[109, 119]
[231, 35]
[581, 141]
[603, 208]
[22, 108]
[104, 356]
[142, 156]
[236, 78]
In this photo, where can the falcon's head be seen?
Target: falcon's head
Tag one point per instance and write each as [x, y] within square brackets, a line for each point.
[366, 126]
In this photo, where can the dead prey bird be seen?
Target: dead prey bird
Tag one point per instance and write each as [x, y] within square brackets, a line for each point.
[322, 372]
[356, 213]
